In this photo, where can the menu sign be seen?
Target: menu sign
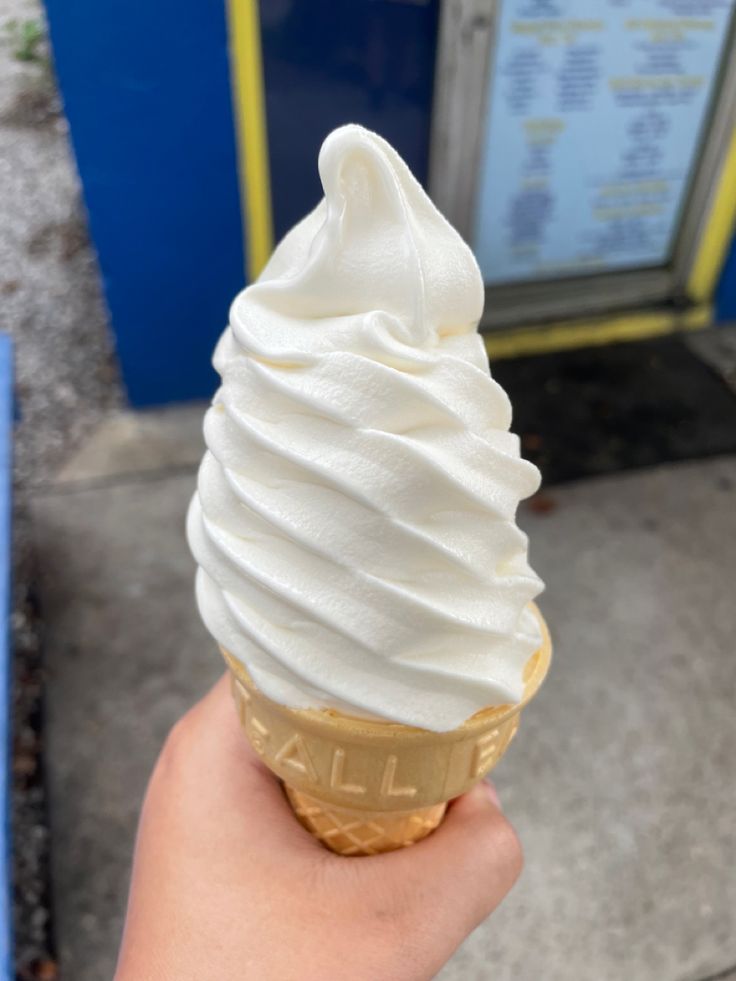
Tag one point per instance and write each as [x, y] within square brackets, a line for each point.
[596, 110]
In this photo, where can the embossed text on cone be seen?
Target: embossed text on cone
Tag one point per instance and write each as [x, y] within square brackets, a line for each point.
[364, 786]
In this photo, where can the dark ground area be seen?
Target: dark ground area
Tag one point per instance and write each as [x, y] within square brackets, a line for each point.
[600, 410]
[34, 943]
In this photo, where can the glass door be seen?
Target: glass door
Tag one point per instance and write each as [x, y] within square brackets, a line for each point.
[576, 143]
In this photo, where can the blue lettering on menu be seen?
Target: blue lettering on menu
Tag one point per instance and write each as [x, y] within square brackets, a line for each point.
[596, 110]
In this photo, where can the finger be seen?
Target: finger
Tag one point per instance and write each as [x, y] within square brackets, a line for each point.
[462, 871]
[212, 729]
[476, 852]
[209, 766]
[491, 790]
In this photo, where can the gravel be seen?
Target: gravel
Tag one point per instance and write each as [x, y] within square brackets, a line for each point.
[49, 282]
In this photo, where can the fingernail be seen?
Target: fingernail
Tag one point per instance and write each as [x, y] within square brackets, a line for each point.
[491, 792]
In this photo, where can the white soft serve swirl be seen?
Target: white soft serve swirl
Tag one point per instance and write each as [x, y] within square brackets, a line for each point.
[354, 522]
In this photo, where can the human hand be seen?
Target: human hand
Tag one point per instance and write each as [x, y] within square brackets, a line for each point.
[226, 883]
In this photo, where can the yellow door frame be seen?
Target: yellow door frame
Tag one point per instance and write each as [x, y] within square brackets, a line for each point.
[246, 70]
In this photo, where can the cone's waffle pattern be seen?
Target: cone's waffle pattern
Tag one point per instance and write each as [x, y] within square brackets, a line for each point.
[354, 832]
[364, 786]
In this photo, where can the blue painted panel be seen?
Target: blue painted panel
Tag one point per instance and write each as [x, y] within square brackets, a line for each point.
[726, 292]
[147, 92]
[328, 63]
[6, 483]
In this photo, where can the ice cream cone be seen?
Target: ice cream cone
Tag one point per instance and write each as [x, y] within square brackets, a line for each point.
[364, 786]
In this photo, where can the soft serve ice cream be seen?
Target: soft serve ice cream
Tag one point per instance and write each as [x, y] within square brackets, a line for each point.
[354, 522]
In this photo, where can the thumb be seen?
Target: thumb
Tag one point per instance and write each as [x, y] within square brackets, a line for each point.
[467, 865]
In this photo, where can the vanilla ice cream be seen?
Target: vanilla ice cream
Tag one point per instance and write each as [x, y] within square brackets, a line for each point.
[354, 520]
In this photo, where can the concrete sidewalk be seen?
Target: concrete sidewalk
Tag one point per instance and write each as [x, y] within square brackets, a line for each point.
[621, 781]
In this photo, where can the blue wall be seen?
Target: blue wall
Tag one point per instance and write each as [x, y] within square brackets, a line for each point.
[147, 93]
[146, 89]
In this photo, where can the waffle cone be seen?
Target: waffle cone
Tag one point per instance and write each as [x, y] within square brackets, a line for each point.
[363, 786]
